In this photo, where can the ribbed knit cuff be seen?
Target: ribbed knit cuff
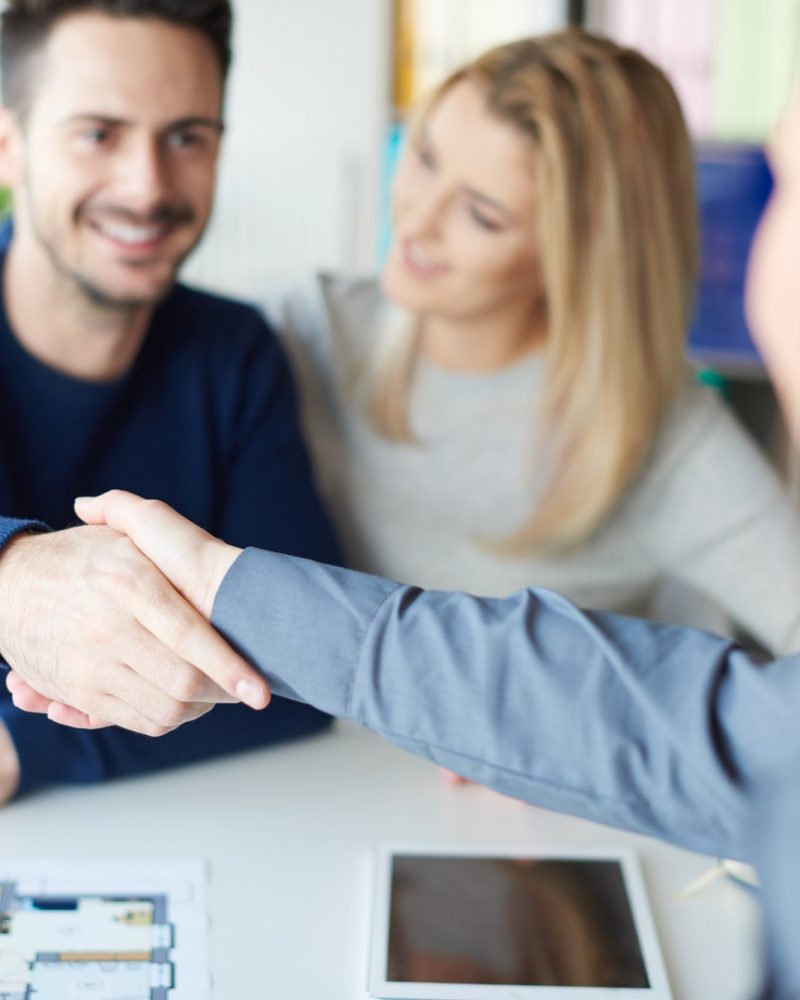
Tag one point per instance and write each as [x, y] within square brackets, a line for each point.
[10, 528]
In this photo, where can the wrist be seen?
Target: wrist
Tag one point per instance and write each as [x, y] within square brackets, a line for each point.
[11, 528]
[220, 558]
[12, 555]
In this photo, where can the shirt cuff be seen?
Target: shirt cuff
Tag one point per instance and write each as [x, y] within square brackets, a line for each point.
[281, 613]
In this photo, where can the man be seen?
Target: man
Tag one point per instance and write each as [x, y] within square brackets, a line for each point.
[110, 375]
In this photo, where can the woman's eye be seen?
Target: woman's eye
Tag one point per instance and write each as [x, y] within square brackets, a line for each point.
[426, 157]
[484, 221]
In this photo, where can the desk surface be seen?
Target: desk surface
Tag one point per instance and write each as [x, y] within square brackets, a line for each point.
[288, 833]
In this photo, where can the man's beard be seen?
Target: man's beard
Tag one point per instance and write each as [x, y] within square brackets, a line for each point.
[98, 296]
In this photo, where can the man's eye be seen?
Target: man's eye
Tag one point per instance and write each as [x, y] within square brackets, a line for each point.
[96, 136]
[186, 140]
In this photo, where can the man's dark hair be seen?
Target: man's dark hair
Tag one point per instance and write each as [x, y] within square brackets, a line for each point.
[26, 24]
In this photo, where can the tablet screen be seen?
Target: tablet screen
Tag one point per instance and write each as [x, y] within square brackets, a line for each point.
[512, 921]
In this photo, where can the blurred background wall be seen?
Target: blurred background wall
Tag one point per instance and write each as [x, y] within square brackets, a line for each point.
[308, 107]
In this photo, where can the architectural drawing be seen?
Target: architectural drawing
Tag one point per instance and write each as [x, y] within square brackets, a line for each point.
[64, 946]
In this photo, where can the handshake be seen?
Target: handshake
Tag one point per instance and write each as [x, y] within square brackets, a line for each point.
[107, 623]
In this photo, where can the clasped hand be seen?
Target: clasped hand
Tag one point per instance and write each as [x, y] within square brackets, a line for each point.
[106, 624]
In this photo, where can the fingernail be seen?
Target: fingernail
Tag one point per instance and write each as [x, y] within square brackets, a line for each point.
[251, 693]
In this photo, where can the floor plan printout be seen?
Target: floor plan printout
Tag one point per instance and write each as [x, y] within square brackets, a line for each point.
[103, 930]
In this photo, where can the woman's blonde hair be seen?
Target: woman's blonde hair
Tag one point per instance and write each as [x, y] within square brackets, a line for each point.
[618, 237]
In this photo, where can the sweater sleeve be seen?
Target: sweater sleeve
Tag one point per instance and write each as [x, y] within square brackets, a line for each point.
[11, 527]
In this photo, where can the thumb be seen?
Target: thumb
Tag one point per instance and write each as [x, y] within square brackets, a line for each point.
[191, 559]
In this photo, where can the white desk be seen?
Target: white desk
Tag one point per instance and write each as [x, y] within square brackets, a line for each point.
[288, 833]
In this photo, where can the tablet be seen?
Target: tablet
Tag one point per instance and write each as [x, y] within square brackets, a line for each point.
[467, 924]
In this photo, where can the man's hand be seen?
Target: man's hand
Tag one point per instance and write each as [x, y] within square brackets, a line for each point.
[9, 766]
[86, 620]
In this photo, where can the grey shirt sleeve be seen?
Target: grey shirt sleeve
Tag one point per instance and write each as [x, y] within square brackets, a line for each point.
[649, 727]
[666, 731]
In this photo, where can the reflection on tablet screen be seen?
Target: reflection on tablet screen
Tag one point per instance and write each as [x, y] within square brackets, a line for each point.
[512, 921]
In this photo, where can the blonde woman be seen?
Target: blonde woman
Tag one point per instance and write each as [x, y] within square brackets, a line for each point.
[509, 405]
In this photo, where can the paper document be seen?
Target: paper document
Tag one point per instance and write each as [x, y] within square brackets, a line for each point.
[101, 930]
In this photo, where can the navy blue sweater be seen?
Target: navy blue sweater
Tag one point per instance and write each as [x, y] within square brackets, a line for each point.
[206, 420]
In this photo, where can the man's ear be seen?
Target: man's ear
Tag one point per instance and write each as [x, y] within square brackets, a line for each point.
[11, 143]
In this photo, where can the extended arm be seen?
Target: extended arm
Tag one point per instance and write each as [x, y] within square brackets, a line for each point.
[650, 727]
[618, 720]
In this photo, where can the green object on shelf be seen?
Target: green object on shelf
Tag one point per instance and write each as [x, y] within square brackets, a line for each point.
[713, 378]
[756, 60]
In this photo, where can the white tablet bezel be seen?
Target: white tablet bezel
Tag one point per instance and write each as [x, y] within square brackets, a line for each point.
[380, 987]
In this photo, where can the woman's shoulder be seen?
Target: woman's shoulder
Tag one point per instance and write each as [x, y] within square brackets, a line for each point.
[701, 440]
[696, 410]
[701, 418]
[328, 325]
[331, 314]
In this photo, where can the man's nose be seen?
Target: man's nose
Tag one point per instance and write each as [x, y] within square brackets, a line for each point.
[143, 179]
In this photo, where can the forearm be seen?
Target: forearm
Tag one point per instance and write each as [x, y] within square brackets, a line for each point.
[618, 720]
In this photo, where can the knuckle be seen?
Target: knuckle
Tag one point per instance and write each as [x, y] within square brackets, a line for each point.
[87, 676]
[186, 686]
[29, 700]
[146, 721]
[152, 508]
[98, 628]
[171, 715]
[79, 696]
[152, 729]
[117, 570]
[177, 629]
